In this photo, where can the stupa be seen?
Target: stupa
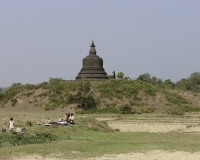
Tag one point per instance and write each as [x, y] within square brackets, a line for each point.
[92, 66]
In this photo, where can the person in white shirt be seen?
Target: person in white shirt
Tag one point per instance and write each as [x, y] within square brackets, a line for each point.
[11, 124]
[71, 118]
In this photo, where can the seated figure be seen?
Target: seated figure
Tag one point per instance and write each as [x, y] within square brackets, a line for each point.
[65, 117]
[71, 118]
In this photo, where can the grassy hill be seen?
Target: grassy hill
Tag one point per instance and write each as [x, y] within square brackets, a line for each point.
[109, 96]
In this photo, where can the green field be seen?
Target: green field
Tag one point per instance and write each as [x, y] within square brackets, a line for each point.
[90, 137]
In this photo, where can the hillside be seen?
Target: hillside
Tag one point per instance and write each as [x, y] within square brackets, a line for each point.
[109, 96]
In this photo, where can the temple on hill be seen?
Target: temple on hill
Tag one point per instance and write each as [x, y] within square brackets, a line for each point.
[93, 67]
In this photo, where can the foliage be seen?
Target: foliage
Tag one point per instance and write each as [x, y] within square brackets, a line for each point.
[84, 102]
[150, 91]
[117, 89]
[192, 83]
[180, 110]
[175, 98]
[12, 91]
[55, 100]
[55, 85]
[112, 108]
[23, 139]
[144, 77]
[14, 101]
[88, 95]
[147, 110]
[28, 94]
[189, 84]
[84, 88]
[127, 78]
[30, 86]
[169, 83]
[188, 109]
[43, 85]
[120, 75]
[1, 96]
[126, 109]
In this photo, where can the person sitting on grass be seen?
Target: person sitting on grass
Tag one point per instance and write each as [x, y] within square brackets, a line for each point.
[71, 118]
[65, 117]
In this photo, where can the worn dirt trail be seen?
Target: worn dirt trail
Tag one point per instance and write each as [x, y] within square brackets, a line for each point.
[151, 155]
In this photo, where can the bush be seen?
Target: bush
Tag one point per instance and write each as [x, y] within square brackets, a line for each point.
[14, 101]
[147, 110]
[84, 102]
[126, 109]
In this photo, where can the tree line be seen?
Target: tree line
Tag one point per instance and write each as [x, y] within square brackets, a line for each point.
[191, 83]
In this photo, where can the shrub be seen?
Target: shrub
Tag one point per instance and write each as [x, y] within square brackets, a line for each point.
[147, 110]
[14, 101]
[126, 109]
[188, 109]
[84, 102]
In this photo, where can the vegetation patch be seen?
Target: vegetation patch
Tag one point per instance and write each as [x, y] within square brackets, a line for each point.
[28, 94]
[175, 98]
[180, 110]
[14, 101]
[23, 139]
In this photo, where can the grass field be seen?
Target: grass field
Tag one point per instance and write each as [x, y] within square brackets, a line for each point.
[97, 135]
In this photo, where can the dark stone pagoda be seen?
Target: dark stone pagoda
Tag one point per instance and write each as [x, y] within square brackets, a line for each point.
[92, 67]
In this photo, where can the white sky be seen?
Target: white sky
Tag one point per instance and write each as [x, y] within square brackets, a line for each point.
[49, 38]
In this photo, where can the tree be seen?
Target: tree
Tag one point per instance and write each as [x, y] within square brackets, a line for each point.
[120, 75]
[195, 78]
[154, 80]
[169, 83]
[126, 78]
[145, 77]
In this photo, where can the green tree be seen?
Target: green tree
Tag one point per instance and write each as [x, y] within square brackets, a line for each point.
[126, 78]
[1, 94]
[169, 83]
[195, 78]
[145, 77]
[192, 83]
[154, 80]
[120, 75]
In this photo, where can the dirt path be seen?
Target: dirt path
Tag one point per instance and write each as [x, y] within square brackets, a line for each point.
[151, 155]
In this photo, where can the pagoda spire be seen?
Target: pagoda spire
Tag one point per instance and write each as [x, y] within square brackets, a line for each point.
[92, 49]
[92, 45]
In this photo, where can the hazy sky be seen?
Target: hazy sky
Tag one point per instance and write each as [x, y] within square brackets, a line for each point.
[40, 39]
